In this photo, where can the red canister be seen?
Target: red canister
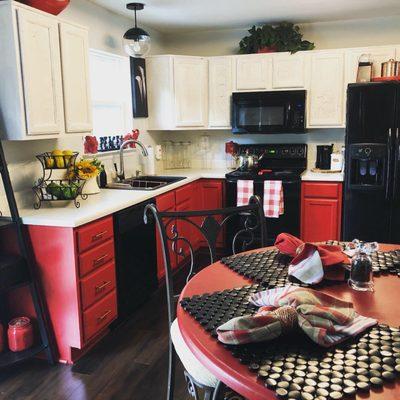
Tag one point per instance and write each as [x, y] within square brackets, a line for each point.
[20, 334]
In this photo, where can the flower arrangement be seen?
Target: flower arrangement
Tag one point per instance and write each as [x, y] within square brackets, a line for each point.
[133, 135]
[85, 169]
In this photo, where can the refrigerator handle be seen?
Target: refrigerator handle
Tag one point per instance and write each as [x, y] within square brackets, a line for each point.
[388, 163]
[396, 164]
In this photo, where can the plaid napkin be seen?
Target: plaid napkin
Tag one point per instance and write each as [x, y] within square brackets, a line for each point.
[273, 199]
[312, 263]
[245, 190]
[325, 319]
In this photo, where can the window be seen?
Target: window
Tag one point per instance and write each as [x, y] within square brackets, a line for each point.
[111, 94]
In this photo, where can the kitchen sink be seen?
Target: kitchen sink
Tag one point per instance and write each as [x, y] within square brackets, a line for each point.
[145, 182]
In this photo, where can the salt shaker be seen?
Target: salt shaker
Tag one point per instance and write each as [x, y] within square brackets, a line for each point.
[361, 267]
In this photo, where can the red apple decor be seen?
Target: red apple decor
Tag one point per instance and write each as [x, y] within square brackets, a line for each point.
[51, 6]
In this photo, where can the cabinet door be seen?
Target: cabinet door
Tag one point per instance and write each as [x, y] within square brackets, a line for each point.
[190, 87]
[288, 71]
[326, 96]
[378, 55]
[41, 72]
[320, 220]
[165, 202]
[212, 193]
[220, 91]
[75, 76]
[252, 72]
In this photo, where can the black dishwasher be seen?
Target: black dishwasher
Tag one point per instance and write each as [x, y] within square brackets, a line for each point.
[135, 257]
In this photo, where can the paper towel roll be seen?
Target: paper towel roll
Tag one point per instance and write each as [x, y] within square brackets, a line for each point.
[150, 164]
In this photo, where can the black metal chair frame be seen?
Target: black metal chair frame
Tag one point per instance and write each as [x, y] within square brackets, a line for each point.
[210, 228]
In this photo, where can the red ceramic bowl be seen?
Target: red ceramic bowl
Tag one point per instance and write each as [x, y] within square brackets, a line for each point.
[51, 6]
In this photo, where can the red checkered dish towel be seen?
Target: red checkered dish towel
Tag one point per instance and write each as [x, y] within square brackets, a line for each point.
[273, 199]
[325, 319]
[245, 190]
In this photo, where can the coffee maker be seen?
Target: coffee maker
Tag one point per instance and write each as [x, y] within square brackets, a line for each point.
[324, 157]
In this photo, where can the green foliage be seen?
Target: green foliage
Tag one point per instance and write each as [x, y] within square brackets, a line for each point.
[283, 37]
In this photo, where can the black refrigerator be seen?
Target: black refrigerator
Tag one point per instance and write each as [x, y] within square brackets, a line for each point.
[372, 192]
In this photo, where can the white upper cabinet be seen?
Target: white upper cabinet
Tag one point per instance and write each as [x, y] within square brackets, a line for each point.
[220, 92]
[177, 92]
[75, 77]
[252, 72]
[288, 71]
[41, 73]
[378, 55]
[190, 91]
[326, 95]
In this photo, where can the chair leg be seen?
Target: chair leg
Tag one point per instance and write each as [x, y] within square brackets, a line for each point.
[171, 370]
[192, 386]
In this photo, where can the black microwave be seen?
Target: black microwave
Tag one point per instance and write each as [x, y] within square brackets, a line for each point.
[269, 112]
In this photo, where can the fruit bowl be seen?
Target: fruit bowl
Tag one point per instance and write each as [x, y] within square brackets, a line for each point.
[57, 160]
[58, 189]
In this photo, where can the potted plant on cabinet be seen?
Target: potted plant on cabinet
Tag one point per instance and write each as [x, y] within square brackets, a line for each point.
[269, 38]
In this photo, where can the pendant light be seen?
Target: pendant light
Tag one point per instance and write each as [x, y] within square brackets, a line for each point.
[136, 40]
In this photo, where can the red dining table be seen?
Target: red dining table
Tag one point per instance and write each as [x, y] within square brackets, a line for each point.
[382, 304]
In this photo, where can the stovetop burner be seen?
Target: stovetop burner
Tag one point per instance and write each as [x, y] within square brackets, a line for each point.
[274, 162]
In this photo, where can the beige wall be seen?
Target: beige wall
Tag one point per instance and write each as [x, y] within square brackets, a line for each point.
[105, 27]
[325, 35]
[105, 33]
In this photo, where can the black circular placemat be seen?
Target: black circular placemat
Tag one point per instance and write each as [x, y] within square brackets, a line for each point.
[383, 262]
[295, 367]
[269, 268]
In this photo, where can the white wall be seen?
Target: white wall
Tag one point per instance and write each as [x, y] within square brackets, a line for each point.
[325, 35]
[106, 30]
[105, 33]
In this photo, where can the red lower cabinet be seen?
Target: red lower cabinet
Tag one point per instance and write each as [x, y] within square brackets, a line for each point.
[164, 202]
[77, 273]
[321, 211]
[205, 194]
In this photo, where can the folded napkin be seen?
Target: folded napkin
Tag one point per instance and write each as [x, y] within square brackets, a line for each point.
[325, 319]
[312, 263]
[245, 190]
[273, 199]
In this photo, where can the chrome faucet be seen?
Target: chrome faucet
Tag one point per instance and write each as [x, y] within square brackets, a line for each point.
[121, 172]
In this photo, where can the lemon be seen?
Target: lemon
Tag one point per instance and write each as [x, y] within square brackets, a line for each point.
[67, 157]
[59, 158]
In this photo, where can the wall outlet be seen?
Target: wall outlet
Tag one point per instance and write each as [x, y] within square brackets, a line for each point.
[158, 152]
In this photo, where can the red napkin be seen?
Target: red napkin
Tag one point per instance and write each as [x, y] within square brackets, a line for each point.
[310, 261]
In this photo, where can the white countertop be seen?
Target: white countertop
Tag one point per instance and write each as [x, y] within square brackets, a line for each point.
[107, 202]
[322, 176]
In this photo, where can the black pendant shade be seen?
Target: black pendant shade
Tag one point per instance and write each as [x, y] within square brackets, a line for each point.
[136, 40]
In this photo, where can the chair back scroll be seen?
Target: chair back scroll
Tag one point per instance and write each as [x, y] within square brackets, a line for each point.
[209, 224]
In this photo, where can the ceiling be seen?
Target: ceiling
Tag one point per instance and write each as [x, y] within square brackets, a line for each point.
[195, 15]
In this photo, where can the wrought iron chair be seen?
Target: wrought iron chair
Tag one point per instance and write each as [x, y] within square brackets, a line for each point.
[209, 224]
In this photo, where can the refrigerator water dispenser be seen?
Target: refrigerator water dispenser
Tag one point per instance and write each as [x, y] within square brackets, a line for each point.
[367, 165]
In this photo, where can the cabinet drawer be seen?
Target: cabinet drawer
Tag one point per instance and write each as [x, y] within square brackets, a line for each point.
[166, 201]
[99, 315]
[184, 193]
[95, 286]
[96, 257]
[95, 233]
[321, 190]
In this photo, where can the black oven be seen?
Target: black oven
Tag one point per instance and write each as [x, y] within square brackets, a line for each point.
[269, 112]
[288, 222]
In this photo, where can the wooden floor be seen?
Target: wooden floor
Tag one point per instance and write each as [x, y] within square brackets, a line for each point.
[130, 363]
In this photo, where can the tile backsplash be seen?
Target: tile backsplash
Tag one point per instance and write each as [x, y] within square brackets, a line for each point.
[218, 139]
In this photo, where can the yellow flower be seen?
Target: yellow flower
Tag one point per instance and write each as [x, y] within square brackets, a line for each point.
[84, 169]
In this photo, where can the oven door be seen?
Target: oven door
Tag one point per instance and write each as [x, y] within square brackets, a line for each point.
[268, 112]
[288, 222]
